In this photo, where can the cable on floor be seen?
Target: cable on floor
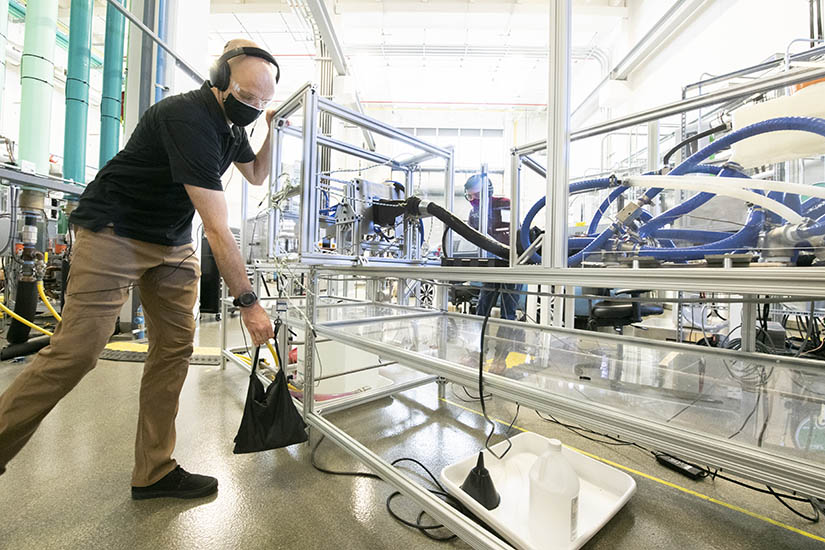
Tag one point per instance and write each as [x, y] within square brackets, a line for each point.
[440, 491]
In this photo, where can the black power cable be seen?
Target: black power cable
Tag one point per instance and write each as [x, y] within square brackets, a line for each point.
[482, 399]
[440, 491]
[691, 139]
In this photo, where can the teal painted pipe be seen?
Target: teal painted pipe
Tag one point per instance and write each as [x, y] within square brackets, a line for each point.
[112, 98]
[4, 36]
[77, 90]
[36, 82]
[17, 11]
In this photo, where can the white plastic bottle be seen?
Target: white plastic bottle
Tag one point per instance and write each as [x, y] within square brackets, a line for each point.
[554, 499]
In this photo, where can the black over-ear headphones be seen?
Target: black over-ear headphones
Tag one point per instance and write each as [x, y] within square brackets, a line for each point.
[219, 71]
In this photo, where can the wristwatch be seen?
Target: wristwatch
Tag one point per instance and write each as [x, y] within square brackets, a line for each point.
[246, 299]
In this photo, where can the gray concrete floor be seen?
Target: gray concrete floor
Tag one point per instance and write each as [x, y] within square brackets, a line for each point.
[69, 488]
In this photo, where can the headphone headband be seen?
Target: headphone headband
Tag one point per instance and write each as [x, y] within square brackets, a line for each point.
[221, 71]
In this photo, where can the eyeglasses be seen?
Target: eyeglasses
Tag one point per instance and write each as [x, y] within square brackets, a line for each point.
[248, 98]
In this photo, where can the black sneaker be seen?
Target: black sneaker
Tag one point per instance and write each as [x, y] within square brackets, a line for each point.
[178, 484]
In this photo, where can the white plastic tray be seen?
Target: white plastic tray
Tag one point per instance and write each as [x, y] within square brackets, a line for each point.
[603, 491]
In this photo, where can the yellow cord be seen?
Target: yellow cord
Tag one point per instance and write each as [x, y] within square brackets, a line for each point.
[275, 355]
[29, 324]
[43, 297]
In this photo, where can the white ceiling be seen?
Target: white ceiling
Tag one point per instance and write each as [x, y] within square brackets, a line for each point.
[446, 51]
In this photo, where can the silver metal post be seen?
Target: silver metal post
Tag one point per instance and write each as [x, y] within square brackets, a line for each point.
[244, 212]
[309, 339]
[283, 343]
[274, 187]
[224, 320]
[442, 292]
[749, 324]
[530, 249]
[653, 145]
[558, 121]
[309, 175]
[483, 211]
[515, 204]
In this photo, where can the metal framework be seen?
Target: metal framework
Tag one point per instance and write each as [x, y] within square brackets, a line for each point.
[756, 463]
[307, 101]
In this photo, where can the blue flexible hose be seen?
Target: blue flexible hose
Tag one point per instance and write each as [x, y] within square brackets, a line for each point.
[694, 235]
[743, 239]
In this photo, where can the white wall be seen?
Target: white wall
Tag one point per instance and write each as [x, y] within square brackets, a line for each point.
[723, 36]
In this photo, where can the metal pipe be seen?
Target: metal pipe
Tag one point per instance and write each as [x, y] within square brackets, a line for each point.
[77, 90]
[534, 166]
[767, 65]
[362, 369]
[182, 63]
[787, 57]
[36, 81]
[111, 101]
[161, 88]
[346, 148]
[515, 204]
[747, 89]
[530, 249]
[655, 37]
[364, 121]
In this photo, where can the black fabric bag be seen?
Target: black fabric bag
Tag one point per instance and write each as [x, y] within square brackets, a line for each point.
[270, 419]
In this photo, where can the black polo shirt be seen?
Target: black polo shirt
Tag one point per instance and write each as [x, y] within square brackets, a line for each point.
[183, 139]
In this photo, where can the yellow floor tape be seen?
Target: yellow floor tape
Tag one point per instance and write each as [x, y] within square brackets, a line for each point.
[143, 348]
[662, 481]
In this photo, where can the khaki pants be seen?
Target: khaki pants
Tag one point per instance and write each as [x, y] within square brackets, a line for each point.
[103, 267]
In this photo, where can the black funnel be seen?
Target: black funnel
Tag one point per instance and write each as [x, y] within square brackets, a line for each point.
[479, 485]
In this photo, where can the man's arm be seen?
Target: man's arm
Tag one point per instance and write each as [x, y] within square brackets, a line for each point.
[211, 206]
[257, 171]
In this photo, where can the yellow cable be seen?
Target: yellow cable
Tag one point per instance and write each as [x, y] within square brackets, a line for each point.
[243, 358]
[275, 355]
[42, 292]
[29, 324]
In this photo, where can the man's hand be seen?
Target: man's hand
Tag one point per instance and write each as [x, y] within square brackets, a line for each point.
[269, 114]
[257, 323]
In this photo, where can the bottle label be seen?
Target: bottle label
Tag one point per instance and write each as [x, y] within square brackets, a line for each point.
[574, 517]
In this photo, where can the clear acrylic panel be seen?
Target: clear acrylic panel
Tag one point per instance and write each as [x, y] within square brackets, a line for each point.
[777, 404]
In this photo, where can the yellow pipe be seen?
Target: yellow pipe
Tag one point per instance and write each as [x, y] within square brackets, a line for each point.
[29, 324]
[42, 292]
[275, 355]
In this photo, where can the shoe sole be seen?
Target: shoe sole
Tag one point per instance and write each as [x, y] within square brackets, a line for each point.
[195, 493]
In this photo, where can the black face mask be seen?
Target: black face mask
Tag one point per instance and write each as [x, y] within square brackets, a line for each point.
[239, 113]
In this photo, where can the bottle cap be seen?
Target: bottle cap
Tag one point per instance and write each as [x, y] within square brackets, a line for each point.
[554, 445]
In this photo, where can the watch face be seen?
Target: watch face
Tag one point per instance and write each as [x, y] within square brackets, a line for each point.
[247, 299]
